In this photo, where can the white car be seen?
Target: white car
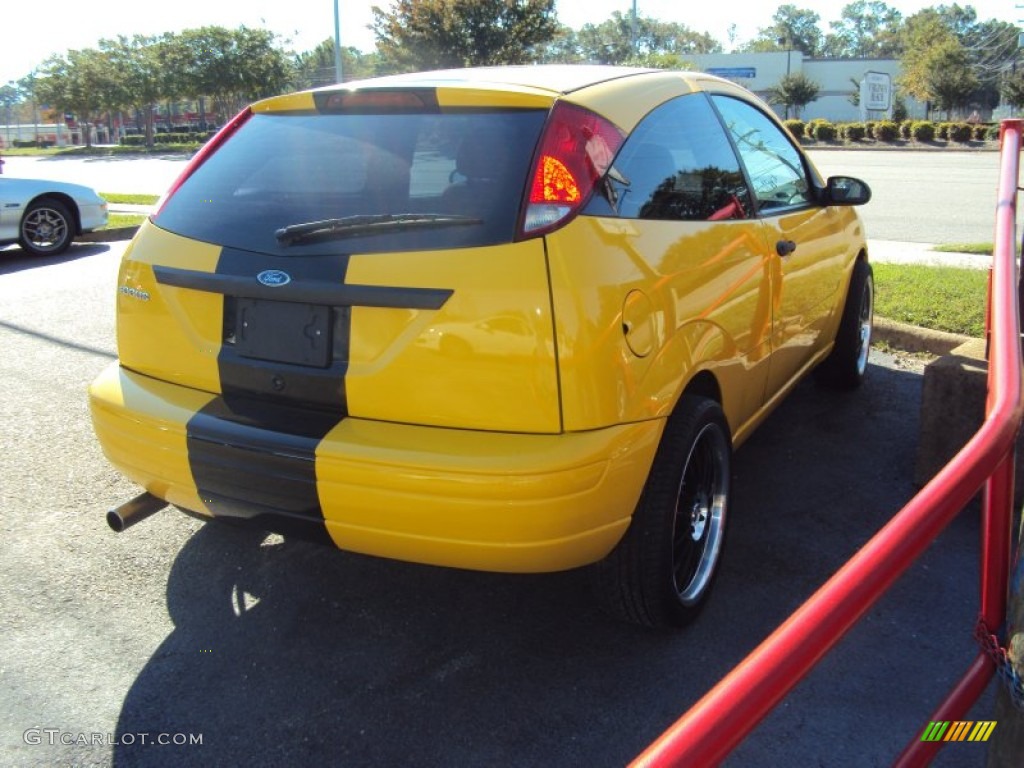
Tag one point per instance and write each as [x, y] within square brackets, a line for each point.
[43, 216]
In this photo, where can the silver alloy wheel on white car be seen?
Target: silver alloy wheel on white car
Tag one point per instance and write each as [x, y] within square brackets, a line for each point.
[47, 228]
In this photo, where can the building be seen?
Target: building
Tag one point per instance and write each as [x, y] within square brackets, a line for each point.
[47, 134]
[839, 79]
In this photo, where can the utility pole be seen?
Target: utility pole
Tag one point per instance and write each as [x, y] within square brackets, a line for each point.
[337, 44]
[632, 30]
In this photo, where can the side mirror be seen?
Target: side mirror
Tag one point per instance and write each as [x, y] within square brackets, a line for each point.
[846, 190]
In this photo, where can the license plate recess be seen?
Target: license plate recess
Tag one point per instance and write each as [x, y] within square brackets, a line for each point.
[283, 332]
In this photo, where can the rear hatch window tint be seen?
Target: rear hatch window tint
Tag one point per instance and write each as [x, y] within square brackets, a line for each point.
[361, 183]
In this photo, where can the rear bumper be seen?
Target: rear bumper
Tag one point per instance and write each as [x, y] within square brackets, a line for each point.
[482, 500]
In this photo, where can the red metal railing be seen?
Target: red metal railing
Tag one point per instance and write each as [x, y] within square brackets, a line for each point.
[717, 723]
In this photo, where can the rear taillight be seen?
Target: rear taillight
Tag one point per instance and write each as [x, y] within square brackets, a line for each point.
[204, 152]
[576, 149]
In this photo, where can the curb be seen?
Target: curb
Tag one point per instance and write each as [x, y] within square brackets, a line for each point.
[107, 235]
[911, 338]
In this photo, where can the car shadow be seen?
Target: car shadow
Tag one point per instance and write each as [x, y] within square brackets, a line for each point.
[14, 259]
[284, 652]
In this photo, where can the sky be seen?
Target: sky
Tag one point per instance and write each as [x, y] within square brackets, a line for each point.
[68, 24]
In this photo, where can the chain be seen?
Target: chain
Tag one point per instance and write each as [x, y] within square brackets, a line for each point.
[1004, 666]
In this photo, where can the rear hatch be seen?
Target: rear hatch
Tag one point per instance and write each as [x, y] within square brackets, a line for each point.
[355, 253]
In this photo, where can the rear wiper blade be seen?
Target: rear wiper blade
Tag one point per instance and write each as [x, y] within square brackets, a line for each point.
[354, 226]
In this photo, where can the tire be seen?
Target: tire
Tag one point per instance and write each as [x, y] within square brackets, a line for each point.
[661, 572]
[47, 228]
[846, 366]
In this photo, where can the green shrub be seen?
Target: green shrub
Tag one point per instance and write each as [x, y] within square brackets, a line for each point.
[824, 130]
[923, 130]
[796, 127]
[981, 132]
[855, 131]
[992, 132]
[899, 108]
[869, 129]
[942, 131]
[960, 132]
[887, 130]
[906, 129]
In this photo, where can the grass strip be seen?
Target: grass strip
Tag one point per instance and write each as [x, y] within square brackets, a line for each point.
[119, 220]
[950, 299]
[979, 249]
[123, 198]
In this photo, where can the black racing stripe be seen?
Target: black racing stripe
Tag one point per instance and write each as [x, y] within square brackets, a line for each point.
[255, 460]
[284, 379]
[252, 451]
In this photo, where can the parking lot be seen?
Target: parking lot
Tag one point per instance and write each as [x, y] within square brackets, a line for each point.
[274, 651]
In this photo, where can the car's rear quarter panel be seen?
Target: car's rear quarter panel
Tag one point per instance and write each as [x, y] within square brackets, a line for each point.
[706, 289]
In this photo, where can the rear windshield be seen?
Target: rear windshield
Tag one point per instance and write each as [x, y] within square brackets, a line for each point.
[361, 183]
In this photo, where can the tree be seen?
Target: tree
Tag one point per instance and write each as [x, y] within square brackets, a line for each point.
[563, 47]
[316, 68]
[866, 29]
[991, 48]
[661, 61]
[141, 76]
[952, 60]
[958, 19]
[231, 66]
[9, 96]
[82, 82]
[612, 41]
[30, 103]
[795, 29]
[950, 81]
[922, 32]
[431, 34]
[1013, 89]
[795, 90]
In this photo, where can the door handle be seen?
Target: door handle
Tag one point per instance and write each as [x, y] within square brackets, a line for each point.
[785, 247]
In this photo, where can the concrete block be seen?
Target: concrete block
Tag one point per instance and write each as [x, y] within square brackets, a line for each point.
[952, 409]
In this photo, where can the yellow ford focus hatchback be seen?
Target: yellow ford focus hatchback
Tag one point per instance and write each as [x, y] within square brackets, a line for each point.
[510, 319]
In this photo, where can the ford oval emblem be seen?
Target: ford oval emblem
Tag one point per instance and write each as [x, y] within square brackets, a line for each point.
[274, 278]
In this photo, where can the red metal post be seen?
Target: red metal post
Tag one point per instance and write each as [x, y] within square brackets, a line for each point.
[997, 507]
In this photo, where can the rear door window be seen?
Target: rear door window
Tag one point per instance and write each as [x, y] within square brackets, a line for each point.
[677, 165]
[372, 182]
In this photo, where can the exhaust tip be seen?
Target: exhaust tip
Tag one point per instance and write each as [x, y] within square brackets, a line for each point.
[115, 521]
[134, 511]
